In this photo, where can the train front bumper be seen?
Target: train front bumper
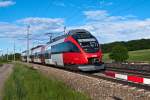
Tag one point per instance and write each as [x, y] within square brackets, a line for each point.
[91, 67]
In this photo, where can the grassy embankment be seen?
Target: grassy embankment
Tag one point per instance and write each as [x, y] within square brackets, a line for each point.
[28, 84]
[136, 56]
[3, 61]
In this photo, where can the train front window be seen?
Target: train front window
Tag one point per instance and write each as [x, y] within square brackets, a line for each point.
[87, 41]
[89, 45]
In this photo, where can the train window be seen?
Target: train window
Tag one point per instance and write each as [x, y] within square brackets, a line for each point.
[24, 57]
[90, 46]
[31, 56]
[82, 35]
[35, 55]
[47, 55]
[64, 47]
[87, 42]
[39, 55]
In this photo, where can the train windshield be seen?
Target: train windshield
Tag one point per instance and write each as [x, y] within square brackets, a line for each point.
[87, 42]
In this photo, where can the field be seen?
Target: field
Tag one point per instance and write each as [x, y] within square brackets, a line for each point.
[28, 84]
[2, 62]
[136, 56]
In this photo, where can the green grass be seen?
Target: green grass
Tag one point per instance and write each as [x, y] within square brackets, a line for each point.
[28, 84]
[136, 56]
[3, 61]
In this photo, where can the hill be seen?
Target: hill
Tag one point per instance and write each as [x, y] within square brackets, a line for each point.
[132, 45]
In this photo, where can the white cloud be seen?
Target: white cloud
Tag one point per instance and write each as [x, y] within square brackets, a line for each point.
[96, 15]
[115, 28]
[37, 20]
[103, 15]
[104, 3]
[39, 26]
[6, 3]
[10, 30]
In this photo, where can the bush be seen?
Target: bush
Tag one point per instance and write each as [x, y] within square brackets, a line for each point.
[119, 53]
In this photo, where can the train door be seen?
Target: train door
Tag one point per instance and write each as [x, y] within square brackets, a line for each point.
[56, 52]
[42, 55]
[58, 59]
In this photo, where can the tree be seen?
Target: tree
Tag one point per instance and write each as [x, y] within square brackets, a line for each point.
[132, 45]
[119, 53]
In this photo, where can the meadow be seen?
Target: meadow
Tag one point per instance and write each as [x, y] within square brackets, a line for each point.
[3, 61]
[135, 56]
[28, 84]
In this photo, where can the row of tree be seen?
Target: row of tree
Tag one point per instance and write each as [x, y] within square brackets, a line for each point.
[130, 45]
[11, 57]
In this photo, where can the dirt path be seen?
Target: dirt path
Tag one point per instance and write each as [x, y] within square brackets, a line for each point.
[5, 71]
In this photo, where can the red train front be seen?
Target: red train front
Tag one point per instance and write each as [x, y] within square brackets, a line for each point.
[78, 48]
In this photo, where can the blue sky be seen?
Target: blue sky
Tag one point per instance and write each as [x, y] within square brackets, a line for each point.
[108, 20]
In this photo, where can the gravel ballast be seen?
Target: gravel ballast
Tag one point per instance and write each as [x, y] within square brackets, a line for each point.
[97, 89]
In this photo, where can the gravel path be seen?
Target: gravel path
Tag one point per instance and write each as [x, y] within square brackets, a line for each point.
[5, 70]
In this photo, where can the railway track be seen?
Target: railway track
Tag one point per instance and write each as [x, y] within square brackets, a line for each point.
[142, 73]
[102, 75]
[123, 82]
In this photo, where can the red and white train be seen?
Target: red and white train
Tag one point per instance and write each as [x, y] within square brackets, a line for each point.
[76, 49]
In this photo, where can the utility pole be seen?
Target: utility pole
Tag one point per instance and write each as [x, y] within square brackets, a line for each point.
[1, 53]
[28, 29]
[64, 29]
[50, 35]
[14, 51]
[7, 54]
[20, 57]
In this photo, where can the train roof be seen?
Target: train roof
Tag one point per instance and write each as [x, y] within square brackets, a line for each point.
[82, 31]
[24, 51]
[71, 32]
[37, 47]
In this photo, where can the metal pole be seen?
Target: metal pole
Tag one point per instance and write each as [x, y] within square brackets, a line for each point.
[14, 51]
[28, 28]
[7, 54]
[50, 37]
[1, 54]
[64, 29]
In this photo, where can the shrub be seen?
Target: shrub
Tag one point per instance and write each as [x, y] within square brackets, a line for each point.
[119, 53]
